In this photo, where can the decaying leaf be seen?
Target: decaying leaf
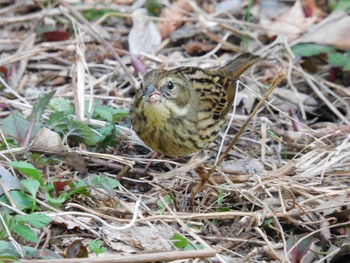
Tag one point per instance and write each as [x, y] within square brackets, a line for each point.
[173, 17]
[198, 47]
[334, 31]
[290, 24]
[285, 100]
[144, 36]
[139, 238]
[49, 142]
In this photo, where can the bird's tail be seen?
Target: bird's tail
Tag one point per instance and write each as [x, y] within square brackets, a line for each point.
[237, 66]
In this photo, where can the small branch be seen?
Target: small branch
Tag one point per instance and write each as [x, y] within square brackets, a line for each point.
[146, 257]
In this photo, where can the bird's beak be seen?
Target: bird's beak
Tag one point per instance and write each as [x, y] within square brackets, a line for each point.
[152, 95]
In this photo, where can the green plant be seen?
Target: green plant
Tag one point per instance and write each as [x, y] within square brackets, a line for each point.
[23, 225]
[95, 246]
[334, 58]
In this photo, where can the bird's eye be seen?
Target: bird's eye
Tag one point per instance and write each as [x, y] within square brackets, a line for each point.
[170, 85]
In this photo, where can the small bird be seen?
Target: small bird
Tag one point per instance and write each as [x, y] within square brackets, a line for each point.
[178, 112]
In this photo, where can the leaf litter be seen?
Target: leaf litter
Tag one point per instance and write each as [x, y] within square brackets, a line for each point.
[281, 193]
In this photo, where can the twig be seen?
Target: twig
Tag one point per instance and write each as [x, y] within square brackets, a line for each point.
[275, 83]
[130, 224]
[97, 36]
[141, 258]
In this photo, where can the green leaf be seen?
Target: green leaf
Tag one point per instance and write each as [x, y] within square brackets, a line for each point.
[179, 241]
[311, 49]
[81, 132]
[58, 121]
[267, 224]
[21, 200]
[94, 14]
[61, 105]
[26, 232]
[108, 113]
[342, 5]
[53, 200]
[154, 7]
[95, 246]
[9, 221]
[7, 251]
[40, 105]
[32, 186]
[167, 199]
[17, 127]
[37, 220]
[29, 170]
[75, 130]
[347, 66]
[104, 182]
[338, 59]
[108, 133]
[221, 196]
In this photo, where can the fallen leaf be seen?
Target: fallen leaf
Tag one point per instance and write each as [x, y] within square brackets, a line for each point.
[57, 35]
[49, 142]
[184, 33]
[172, 17]
[76, 250]
[3, 71]
[285, 99]
[193, 47]
[333, 30]
[244, 166]
[311, 9]
[290, 24]
[138, 238]
[332, 205]
[144, 36]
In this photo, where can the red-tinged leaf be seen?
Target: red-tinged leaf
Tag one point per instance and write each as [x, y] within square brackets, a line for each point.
[299, 251]
[76, 250]
[59, 185]
[3, 71]
[332, 77]
[3, 106]
[310, 8]
[307, 11]
[15, 126]
[58, 35]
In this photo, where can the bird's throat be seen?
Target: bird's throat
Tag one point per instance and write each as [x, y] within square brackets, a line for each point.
[159, 114]
[156, 114]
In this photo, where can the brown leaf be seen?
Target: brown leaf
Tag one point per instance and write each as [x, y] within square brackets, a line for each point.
[74, 160]
[144, 36]
[59, 185]
[290, 24]
[197, 47]
[76, 250]
[333, 30]
[57, 35]
[49, 142]
[3, 71]
[310, 8]
[173, 17]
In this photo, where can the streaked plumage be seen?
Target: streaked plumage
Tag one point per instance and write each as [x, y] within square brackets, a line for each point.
[178, 112]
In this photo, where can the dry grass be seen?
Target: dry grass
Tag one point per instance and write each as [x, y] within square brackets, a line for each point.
[286, 178]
